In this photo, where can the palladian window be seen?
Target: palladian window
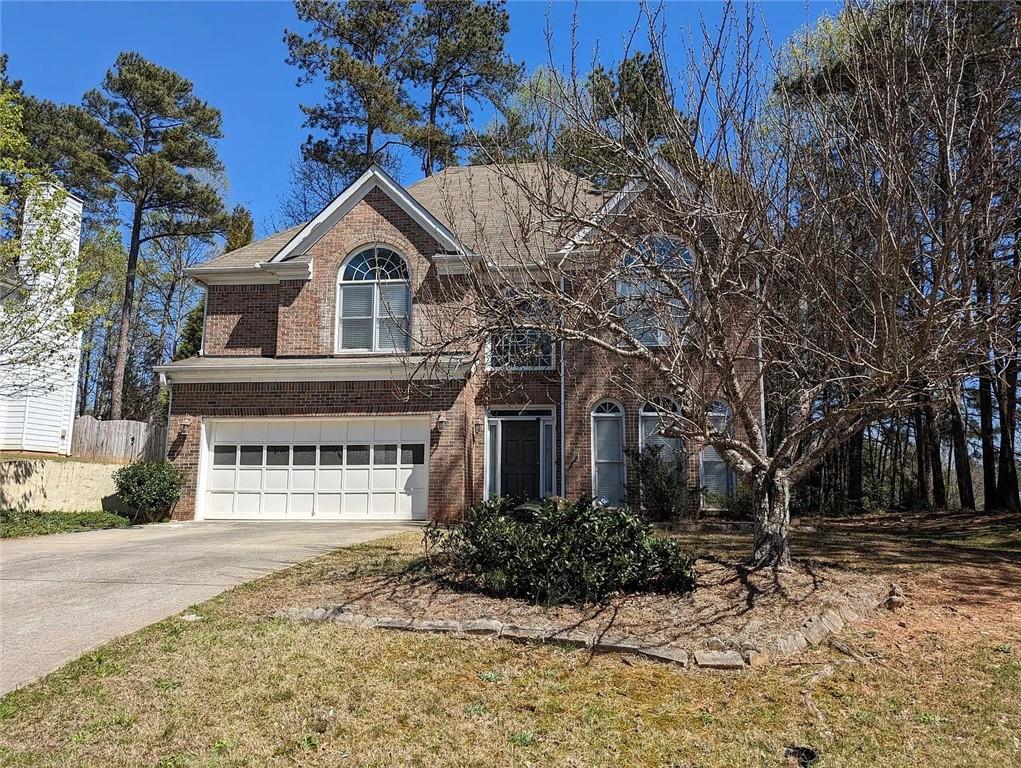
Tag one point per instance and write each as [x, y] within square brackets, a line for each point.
[374, 302]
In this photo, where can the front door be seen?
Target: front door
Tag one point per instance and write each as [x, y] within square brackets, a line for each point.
[519, 451]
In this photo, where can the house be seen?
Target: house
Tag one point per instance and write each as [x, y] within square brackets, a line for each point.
[305, 403]
[39, 371]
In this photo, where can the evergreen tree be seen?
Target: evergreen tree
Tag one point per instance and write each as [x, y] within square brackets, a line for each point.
[240, 230]
[156, 137]
[359, 48]
[458, 60]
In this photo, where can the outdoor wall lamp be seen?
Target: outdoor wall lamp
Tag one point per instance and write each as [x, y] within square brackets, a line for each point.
[441, 422]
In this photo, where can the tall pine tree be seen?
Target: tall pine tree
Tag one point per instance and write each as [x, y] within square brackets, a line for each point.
[156, 138]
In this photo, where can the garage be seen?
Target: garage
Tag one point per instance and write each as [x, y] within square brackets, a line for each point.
[316, 469]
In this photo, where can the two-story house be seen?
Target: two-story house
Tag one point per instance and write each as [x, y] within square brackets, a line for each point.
[316, 394]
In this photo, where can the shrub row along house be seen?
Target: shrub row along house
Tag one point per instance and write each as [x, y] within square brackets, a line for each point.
[389, 359]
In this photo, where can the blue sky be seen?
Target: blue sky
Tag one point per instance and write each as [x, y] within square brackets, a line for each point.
[234, 53]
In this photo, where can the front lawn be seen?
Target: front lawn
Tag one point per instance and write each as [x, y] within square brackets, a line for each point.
[33, 522]
[938, 683]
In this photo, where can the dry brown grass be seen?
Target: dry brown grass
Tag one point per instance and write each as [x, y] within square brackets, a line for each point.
[238, 690]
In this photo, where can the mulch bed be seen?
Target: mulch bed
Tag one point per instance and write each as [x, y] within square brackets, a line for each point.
[730, 602]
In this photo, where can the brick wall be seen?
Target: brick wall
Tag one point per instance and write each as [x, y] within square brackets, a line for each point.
[241, 320]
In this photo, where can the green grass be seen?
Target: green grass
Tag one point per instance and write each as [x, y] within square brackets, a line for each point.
[239, 689]
[33, 522]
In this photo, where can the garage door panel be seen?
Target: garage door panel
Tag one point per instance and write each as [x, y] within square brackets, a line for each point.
[331, 479]
[221, 504]
[356, 504]
[248, 504]
[329, 505]
[249, 479]
[276, 479]
[357, 469]
[357, 479]
[274, 505]
[303, 479]
[302, 505]
[222, 479]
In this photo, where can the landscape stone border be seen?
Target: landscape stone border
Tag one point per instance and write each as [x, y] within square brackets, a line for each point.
[718, 654]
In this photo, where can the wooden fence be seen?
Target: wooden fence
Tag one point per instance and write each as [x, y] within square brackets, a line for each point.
[117, 441]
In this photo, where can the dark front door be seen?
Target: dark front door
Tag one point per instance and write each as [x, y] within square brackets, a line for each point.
[519, 450]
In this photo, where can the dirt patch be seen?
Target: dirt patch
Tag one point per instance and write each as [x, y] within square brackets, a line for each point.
[730, 602]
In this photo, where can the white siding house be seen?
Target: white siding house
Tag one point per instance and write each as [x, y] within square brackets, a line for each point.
[38, 401]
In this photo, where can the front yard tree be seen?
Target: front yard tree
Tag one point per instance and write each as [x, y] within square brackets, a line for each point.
[731, 265]
[157, 139]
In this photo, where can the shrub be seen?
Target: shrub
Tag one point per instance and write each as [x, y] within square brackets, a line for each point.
[150, 488]
[662, 489]
[737, 505]
[552, 552]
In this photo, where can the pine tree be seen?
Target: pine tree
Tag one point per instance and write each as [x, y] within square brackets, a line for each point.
[157, 139]
[358, 48]
[458, 60]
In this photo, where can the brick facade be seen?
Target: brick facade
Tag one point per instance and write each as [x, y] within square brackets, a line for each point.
[298, 319]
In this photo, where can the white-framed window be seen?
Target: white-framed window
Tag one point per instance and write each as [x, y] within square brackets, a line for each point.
[717, 475]
[373, 302]
[521, 350]
[653, 419]
[609, 471]
[646, 303]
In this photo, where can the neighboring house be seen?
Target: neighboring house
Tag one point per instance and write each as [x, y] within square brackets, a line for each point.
[305, 404]
[38, 398]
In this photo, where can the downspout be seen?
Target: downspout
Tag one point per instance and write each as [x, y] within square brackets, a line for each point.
[563, 403]
[170, 409]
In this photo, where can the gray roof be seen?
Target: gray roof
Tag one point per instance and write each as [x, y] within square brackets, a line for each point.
[485, 206]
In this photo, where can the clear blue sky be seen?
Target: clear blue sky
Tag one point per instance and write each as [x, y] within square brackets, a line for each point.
[234, 53]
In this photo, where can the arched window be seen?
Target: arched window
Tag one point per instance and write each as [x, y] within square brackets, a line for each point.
[609, 476]
[648, 306]
[717, 476]
[374, 302]
[653, 419]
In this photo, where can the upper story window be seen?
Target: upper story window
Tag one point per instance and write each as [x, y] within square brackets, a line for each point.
[374, 302]
[522, 348]
[654, 419]
[648, 304]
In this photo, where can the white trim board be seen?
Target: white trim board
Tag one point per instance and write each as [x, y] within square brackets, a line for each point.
[374, 177]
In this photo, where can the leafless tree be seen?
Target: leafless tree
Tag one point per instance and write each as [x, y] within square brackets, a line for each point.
[773, 242]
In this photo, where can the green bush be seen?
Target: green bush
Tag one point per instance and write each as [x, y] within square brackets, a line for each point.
[738, 505]
[662, 488]
[552, 552]
[150, 488]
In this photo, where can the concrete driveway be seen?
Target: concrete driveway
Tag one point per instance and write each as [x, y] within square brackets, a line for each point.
[63, 595]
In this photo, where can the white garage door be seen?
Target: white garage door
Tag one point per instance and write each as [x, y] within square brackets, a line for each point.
[316, 469]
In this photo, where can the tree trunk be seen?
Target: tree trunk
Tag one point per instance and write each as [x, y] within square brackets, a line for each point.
[121, 362]
[855, 495]
[985, 408]
[962, 461]
[939, 489]
[1007, 484]
[772, 523]
[922, 459]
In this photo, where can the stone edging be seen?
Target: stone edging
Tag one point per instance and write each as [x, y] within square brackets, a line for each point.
[718, 654]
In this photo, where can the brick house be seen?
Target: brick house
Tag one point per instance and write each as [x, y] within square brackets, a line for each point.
[306, 401]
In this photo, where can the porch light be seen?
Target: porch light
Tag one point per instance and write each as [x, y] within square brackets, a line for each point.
[441, 421]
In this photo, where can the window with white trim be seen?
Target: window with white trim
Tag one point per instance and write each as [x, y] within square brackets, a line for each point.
[523, 348]
[609, 474]
[373, 302]
[717, 475]
[647, 304]
[654, 418]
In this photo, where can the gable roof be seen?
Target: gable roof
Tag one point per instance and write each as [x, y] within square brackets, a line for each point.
[468, 210]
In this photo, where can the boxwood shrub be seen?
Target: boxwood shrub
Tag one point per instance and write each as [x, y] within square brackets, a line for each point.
[554, 552]
[149, 488]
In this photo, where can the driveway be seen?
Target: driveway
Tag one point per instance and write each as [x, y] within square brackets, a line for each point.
[66, 594]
